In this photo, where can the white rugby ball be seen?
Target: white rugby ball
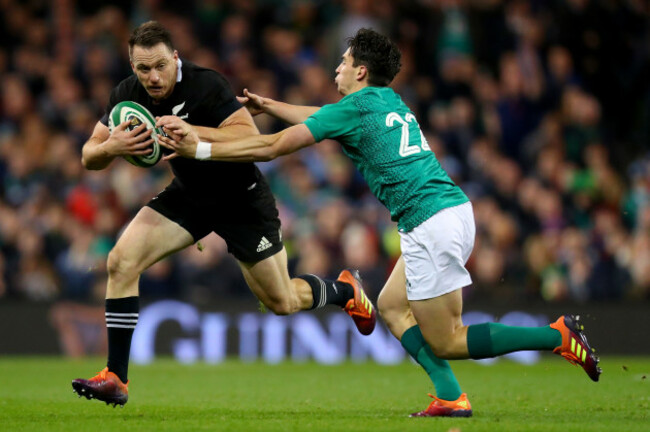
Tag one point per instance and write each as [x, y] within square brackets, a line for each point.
[137, 115]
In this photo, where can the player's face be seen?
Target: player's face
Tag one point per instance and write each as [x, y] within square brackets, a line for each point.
[155, 68]
[346, 74]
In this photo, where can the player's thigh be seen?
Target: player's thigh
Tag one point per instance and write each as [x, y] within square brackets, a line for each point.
[393, 294]
[268, 279]
[148, 238]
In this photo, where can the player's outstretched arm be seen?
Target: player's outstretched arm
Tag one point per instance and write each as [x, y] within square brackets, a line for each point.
[238, 124]
[256, 148]
[103, 146]
[292, 114]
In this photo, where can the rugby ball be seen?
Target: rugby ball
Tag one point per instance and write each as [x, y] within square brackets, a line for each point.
[137, 115]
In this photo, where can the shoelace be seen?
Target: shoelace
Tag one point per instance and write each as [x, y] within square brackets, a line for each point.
[101, 376]
[435, 400]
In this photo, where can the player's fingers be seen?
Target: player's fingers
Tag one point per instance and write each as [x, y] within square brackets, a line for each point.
[170, 156]
[174, 125]
[166, 142]
[145, 133]
[242, 99]
[254, 97]
[140, 130]
[142, 144]
[143, 152]
[140, 138]
[122, 126]
[176, 133]
[164, 120]
[170, 122]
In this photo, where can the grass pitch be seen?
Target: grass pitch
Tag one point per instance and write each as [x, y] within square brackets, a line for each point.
[36, 395]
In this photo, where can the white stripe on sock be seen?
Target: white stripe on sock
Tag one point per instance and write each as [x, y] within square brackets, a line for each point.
[121, 326]
[323, 292]
[119, 320]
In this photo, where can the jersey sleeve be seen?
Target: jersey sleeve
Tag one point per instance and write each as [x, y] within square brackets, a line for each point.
[220, 101]
[334, 121]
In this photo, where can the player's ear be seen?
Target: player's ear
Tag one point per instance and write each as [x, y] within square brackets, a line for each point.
[362, 73]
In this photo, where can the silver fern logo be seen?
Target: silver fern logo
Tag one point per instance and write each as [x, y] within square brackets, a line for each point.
[177, 109]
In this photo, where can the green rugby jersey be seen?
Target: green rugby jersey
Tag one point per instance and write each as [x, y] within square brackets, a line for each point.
[383, 139]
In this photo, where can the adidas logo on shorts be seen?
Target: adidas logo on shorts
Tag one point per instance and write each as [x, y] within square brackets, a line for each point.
[264, 245]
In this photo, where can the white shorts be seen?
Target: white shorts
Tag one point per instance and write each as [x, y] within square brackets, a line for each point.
[436, 251]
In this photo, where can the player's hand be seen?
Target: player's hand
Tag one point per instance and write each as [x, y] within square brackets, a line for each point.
[129, 142]
[253, 103]
[184, 146]
[173, 125]
[181, 138]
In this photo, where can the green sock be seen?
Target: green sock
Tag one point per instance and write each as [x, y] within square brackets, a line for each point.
[439, 371]
[492, 339]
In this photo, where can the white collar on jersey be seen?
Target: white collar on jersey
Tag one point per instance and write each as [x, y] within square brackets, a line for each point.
[179, 73]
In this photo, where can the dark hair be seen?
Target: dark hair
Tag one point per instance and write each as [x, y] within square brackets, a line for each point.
[150, 34]
[377, 53]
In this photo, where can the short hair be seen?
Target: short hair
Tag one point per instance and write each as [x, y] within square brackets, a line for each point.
[150, 34]
[377, 53]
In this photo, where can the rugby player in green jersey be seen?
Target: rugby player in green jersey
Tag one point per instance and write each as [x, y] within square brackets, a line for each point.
[422, 300]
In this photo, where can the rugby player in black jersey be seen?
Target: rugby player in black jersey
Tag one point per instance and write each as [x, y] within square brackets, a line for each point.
[230, 199]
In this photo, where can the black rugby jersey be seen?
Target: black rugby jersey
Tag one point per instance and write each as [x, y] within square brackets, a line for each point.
[203, 97]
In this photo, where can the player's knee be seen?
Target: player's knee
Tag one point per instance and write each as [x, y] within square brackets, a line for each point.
[119, 267]
[281, 307]
[391, 312]
[384, 306]
[442, 349]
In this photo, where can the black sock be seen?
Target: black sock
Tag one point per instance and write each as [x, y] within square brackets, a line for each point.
[121, 318]
[327, 291]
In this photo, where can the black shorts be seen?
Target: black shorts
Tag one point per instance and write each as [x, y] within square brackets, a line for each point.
[247, 221]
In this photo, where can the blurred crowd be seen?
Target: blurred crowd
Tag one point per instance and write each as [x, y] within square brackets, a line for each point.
[538, 109]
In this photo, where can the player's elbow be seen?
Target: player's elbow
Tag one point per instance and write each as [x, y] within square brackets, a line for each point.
[91, 164]
[87, 164]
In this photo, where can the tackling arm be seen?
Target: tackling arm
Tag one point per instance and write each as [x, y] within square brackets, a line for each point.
[292, 114]
[238, 124]
[256, 148]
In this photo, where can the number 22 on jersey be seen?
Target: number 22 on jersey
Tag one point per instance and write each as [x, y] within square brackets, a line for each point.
[406, 148]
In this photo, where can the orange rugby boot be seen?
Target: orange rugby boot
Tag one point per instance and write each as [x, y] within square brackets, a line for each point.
[575, 348]
[442, 408]
[360, 308]
[105, 386]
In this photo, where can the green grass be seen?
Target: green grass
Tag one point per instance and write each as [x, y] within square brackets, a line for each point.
[35, 395]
